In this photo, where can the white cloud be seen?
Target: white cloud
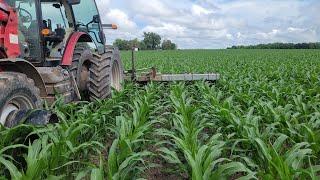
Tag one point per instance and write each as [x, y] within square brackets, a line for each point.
[150, 7]
[199, 11]
[167, 29]
[121, 19]
[229, 36]
[239, 35]
[292, 29]
[269, 35]
[127, 28]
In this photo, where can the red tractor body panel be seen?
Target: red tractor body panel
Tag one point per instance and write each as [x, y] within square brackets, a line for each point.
[9, 41]
[69, 50]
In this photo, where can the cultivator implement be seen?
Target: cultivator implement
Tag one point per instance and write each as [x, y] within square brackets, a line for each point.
[152, 75]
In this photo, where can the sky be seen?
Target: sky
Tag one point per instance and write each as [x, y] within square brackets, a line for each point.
[214, 24]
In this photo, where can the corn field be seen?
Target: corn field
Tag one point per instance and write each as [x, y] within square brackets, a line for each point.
[261, 120]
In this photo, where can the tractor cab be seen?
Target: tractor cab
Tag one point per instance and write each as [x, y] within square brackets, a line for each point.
[45, 28]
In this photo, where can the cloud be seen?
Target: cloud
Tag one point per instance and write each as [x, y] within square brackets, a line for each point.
[269, 35]
[167, 29]
[199, 11]
[215, 24]
[151, 7]
[293, 29]
[121, 19]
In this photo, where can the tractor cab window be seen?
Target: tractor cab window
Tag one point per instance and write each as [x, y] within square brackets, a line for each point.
[53, 14]
[55, 25]
[29, 38]
[88, 20]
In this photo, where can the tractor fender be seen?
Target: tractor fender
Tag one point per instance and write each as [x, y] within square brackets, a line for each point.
[24, 67]
[71, 45]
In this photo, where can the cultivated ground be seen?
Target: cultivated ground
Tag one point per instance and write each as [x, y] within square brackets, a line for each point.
[261, 120]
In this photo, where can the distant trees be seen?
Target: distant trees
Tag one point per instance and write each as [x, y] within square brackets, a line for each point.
[280, 46]
[127, 45]
[151, 41]
[168, 45]
[121, 44]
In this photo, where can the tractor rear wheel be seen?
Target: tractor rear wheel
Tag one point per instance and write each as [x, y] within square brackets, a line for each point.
[106, 72]
[17, 92]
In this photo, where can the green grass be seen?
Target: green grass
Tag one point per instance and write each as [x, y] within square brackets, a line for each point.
[261, 120]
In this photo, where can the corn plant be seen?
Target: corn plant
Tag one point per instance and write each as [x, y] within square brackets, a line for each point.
[125, 153]
[204, 159]
[289, 165]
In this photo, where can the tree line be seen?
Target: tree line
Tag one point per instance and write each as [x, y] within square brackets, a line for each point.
[280, 46]
[151, 41]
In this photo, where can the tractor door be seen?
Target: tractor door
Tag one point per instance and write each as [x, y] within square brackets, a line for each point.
[87, 19]
[29, 31]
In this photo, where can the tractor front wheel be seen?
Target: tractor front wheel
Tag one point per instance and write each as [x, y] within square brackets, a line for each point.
[106, 72]
[17, 92]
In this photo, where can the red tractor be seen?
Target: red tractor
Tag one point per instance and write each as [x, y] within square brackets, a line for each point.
[57, 47]
[50, 47]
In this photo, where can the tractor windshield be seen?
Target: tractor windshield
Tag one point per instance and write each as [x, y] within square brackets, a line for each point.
[86, 14]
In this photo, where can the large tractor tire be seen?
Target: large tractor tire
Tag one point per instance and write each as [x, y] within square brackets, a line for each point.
[17, 92]
[106, 72]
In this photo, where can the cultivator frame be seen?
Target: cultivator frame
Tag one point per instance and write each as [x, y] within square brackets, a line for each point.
[152, 75]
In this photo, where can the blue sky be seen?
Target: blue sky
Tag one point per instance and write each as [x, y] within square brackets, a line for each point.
[214, 23]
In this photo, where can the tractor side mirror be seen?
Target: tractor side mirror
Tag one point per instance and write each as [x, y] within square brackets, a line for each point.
[73, 2]
[96, 19]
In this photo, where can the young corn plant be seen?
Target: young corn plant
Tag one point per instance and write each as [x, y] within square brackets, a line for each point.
[286, 163]
[204, 159]
[126, 154]
[37, 162]
[68, 149]
[6, 161]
